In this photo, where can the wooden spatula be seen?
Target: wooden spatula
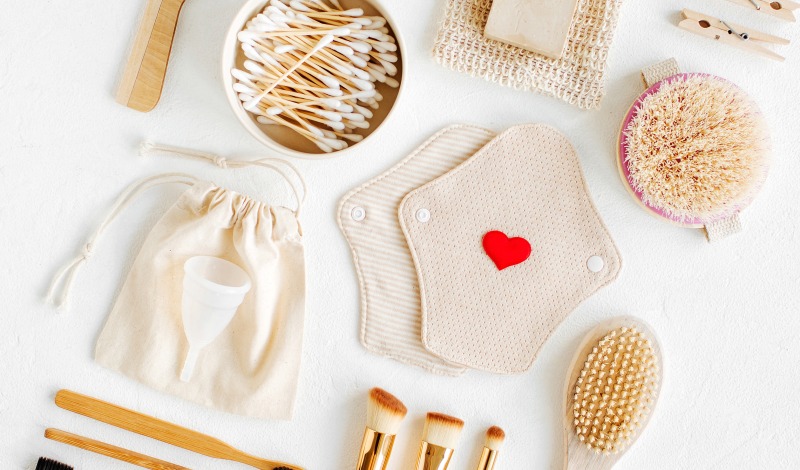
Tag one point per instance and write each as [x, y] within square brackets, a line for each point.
[143, 79]
[163, 431]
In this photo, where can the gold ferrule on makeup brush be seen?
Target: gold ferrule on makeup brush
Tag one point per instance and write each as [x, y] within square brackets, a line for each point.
[376, 448]
[488, 459]
[432, 457]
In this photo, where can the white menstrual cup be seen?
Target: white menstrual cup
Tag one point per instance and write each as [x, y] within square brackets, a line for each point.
[212, 291]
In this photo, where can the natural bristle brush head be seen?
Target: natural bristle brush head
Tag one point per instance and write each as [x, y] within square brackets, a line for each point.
[611, 390]
[494, 438]
[442, 430]
[385, 413]
[49, 464]
[614, 390]
[694, 149]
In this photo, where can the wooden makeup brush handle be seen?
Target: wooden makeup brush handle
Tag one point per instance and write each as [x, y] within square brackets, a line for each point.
[108, 450]
[163, 431]
[143, 79]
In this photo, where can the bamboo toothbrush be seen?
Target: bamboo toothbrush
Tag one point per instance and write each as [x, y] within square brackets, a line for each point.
[494, 441]
[384, 416]
[109, 450]
[439, 440]
[611, 389]
[163, 431]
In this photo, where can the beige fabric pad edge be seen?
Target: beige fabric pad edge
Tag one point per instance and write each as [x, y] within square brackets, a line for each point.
[406, 347]
[407, 217]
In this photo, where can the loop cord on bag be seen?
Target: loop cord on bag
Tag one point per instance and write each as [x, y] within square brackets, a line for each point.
[66, 275]
[149, 148]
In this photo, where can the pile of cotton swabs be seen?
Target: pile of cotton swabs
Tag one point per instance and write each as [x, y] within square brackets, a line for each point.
[313, 66]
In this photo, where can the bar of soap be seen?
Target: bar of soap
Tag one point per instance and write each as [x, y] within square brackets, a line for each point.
[540, 26]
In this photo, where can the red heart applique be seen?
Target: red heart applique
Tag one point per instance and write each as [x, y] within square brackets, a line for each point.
[504, 251]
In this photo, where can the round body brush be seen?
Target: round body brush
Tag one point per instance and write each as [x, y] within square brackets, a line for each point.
[611, 389]
[694, 149]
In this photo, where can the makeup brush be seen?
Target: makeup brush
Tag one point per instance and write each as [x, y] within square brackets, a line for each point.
[494, 441]
[384, 415]
[439, 440]
[48, 464]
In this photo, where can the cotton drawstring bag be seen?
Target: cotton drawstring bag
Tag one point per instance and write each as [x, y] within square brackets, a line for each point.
[253, 367]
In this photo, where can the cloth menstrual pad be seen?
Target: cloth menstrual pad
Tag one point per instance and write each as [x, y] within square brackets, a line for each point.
[391, 319]
[505, 246]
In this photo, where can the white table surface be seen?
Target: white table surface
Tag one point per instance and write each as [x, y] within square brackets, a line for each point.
[726, 314]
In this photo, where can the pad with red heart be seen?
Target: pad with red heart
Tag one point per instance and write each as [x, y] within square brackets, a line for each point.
[506, 252]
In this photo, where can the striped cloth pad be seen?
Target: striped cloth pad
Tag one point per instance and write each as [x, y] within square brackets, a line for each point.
[391, 322]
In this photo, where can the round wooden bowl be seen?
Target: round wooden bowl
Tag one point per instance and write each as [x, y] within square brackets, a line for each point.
[281, 138]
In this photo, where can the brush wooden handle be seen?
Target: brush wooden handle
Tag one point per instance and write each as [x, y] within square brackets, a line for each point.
[108, 450]
[143, 79]
[163, 431]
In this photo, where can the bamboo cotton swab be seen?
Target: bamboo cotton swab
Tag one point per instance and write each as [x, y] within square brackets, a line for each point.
[313, 67]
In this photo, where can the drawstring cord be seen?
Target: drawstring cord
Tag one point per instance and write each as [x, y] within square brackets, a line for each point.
[66, 275]
[150, 148]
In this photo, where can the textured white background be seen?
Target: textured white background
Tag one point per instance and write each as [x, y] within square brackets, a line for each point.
[727, 314]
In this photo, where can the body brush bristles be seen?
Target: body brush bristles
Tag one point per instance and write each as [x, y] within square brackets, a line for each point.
[385, 413]
[696, 148]
[494, 441]
[439, 440]
[615, 390]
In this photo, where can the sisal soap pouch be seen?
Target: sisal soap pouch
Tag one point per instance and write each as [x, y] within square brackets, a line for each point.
[252, 367]
[505, 247]
[577, 76]
[391, 320]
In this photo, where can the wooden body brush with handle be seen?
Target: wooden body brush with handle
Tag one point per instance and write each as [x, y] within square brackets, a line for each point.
[144, 75]
[611, 389]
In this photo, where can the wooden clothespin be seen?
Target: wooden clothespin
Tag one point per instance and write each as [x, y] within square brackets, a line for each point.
[730, 33]
[783, 9]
